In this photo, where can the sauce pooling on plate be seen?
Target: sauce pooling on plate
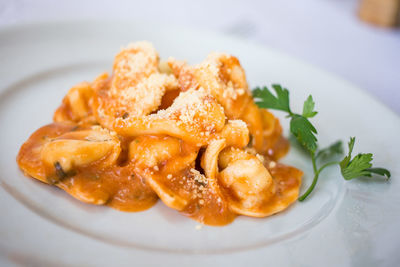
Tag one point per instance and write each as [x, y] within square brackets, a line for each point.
[189, 135]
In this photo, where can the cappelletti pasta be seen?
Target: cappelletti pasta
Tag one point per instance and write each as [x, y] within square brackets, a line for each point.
[190, 135]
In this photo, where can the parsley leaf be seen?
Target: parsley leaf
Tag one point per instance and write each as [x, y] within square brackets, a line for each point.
[308, 108]
[360, 165]
[300, 126]
[334, 149]
[380, 171]
[304, 131]
[347, 159]
[265, 99]
[357, 166]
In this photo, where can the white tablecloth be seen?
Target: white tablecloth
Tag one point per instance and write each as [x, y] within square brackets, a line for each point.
[326, 33]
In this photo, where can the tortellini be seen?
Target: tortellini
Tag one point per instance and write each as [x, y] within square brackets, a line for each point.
[136, 87]
[80, 148]
[247, 179]
[190, 135]
[77, 104]
[222, 76]
[194, 117]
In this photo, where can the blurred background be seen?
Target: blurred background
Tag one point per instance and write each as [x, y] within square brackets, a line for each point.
[355, 39]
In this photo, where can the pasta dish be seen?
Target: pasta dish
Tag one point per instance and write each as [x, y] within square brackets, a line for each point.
[190, 135]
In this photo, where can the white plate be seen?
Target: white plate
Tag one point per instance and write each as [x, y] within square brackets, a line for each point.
[343, 223]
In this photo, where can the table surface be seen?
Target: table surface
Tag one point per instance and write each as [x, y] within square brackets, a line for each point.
[325, 33]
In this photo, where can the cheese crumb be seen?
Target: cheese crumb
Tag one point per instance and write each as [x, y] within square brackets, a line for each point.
[198, 177]
[272, 164]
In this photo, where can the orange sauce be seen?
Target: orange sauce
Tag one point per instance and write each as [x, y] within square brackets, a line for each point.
[124, 187]
[119, 186]
[131, 172]
[29, 158]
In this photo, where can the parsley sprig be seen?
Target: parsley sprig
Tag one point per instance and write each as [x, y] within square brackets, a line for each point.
[306, 135]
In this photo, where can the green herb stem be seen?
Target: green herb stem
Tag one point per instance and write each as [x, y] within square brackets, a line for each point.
[328, 164]
[310, 189]
[314, 162]
[316, 176]
[306, 134]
